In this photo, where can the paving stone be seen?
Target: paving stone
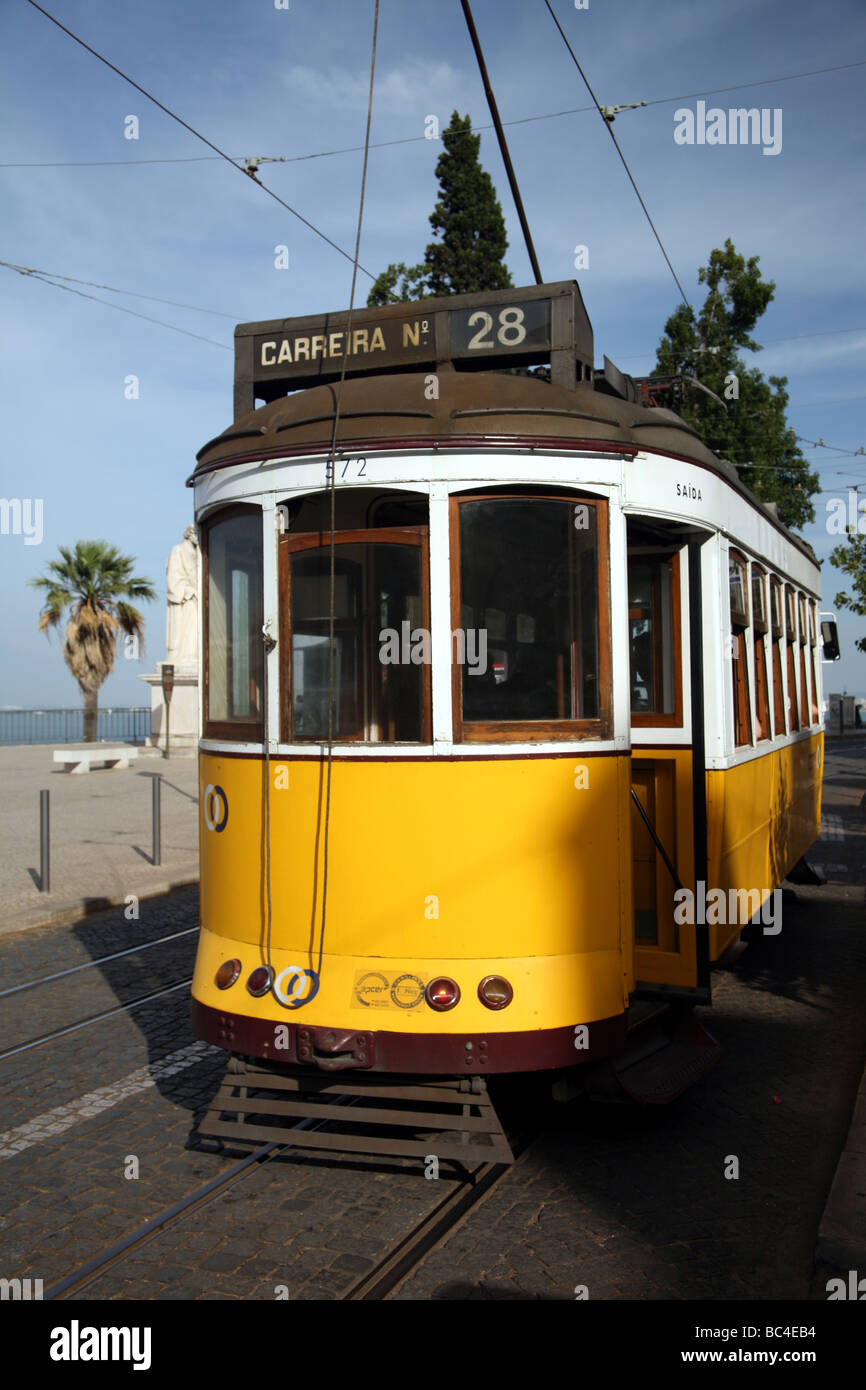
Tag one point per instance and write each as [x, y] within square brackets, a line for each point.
[351, 1264]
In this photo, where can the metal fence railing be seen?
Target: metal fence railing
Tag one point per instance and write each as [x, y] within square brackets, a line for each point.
[131, 725]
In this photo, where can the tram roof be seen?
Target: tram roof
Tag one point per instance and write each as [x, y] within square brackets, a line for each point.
[473, 410]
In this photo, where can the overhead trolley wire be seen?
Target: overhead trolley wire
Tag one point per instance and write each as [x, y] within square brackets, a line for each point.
[135, 294]
[333, 497]
[416, 139]
[248, 173]
[295, 1003]
[609, 128]
[121, 308]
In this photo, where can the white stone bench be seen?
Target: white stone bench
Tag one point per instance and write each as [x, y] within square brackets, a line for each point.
[78, 760]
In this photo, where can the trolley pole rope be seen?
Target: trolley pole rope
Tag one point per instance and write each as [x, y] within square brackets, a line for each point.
[332, 471]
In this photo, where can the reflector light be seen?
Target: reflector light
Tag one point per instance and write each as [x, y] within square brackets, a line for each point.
[260, 981]
[228, 973]
[495, 992]
[442, 993]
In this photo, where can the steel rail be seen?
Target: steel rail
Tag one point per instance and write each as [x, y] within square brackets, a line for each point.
[432, 1230]
[89, 964]
[100, 1264]
[94, 1018]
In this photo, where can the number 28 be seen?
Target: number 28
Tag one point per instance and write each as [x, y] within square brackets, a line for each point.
[510, 332]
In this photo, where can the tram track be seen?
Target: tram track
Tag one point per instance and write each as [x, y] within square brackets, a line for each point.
[432, 1230]
[92, 1018]
[106, 1260]
[91, 964]
[100, 1265]
[86, 989]
[390, 1271]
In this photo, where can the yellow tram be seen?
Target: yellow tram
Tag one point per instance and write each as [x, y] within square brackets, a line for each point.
[511, 699]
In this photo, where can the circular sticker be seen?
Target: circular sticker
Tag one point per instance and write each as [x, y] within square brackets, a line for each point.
[216, 808]
[407, 991]
[371, 989]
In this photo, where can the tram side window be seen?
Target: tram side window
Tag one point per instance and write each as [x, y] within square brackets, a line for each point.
[777, 627]
[528, 596]
[813, 649]
[804, 684]
[759, 627]
[234, 656]
[790, 642]
[737, 573]
[654, 639]
[378, 688]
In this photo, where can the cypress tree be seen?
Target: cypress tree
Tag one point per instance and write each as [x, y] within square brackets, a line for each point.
[467, 255]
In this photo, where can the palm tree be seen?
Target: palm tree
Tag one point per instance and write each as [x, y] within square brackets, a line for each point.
[93, 581]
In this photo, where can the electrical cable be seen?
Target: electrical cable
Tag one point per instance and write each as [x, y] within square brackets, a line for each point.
[121, 308]
[135, 294]
[248, 173]
[609, 128]
[315, 975]
[416, 139]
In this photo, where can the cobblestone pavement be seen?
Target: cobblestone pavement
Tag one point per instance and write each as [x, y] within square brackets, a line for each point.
[629, 1203]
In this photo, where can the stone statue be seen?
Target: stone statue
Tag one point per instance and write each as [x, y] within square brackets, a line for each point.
[181, 627]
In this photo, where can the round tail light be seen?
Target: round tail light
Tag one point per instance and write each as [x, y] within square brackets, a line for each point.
[442, 993]
[495, 992]
[228, 973]
[260, 981]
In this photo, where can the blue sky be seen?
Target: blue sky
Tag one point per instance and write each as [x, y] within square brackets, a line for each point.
[261, 81]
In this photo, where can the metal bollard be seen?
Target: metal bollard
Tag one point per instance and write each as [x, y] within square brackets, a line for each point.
[44, 843]
[157, 816]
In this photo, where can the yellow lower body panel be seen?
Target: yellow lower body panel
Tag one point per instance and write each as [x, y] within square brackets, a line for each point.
[457, 867]
[762, 817]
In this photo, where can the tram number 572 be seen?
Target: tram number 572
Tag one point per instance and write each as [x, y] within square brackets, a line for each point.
[510, 332]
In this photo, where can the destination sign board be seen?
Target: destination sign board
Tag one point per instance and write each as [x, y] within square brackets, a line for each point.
[514, 327]
[295, 351]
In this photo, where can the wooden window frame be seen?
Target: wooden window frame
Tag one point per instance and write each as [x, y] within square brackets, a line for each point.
[296, 542]
[253, 731]
[777, 628]
[805, 720]
[760, 629]
[777, 633]
[813, 649]
[793, 703]
[536, 730]
[648, 719]
[740, 617]
[740, 683]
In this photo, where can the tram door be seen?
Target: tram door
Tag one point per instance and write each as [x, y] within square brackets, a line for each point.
[663, 625]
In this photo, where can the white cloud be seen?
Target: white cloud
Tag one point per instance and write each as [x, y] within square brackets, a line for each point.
[399, 91]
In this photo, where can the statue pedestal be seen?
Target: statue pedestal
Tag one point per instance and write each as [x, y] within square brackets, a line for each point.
[184, 730]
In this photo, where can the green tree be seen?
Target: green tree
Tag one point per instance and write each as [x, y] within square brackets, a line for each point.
[468, 250]
[746, 423]
[94, 581]
[398, 284]
[851, 557]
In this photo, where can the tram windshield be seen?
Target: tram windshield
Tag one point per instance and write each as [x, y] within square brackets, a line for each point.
[378, 681]
[529, 600]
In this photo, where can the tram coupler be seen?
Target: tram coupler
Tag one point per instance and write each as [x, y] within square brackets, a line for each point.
[336, 1049]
